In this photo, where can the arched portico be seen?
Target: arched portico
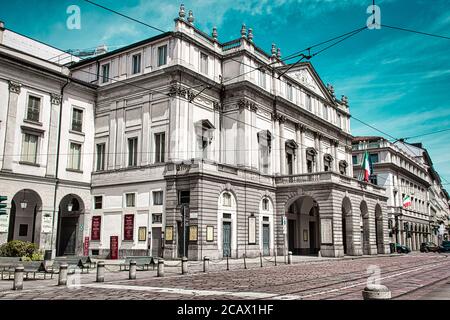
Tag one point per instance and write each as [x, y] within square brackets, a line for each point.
[365, 228]
[350, 232]
[303, 226]
[71, 215]
[25, 219]
[379, 230]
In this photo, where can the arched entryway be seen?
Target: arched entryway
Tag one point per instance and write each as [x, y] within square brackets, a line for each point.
[227, 225]
[25, 217]
[303, 226]
[71, 212]
[379, 232]
[365, 229]
[348, 234]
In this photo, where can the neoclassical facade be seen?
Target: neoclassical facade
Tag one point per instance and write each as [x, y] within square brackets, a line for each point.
[405, 169]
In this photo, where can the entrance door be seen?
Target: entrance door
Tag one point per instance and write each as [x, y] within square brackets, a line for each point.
[226, 239]
[312, 237]
[290, 168]
[68, 235]
[182, 237]
[156, 242]
[266, 239]
[291, 235]
[344, 234]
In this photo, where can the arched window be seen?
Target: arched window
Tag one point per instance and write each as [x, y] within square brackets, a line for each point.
[310, 159]
[226, 199]
[327, 161]
[265, 204]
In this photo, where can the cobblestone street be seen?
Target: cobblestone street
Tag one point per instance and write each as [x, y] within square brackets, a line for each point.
[408, 277]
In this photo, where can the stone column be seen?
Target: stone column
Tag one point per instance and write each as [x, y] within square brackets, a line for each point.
[335, 144]
[53, 135]
[146, 133]
[8, 150]
[112, 138]
[299, 152]
[276, 148]
[320, 154]
[281, 120]
[303, 150]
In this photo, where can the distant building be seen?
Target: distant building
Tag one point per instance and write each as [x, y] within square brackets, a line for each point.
[407, 173]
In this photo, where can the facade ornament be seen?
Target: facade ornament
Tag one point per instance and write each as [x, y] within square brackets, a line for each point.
[281, 118]
[191, 17]
[217, 106]
[274, 50]
[330, 89]
[279, 53]
[15, 87]
[344, 100]
[250, 34]
[55, 98]
[243, 103]
[300, 127]
[182, 12]
[177, 90]
[243, 30]
[214, 33]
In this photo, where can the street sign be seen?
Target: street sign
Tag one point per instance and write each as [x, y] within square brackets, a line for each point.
[3, 205]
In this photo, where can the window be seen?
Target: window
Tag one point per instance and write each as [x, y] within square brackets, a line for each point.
[339, 121]
[132, 152]
[98, 202]
[355, 159]
[184, 197]
[23, 230]
[265, 204]
[374, 157]
[105, 73]
[130, 200]
[203, 63]
[327, 160]
[100, 157]
[325, 112]
[309, 165]
[136, 63]
[262, 79]
[156, 218]
[157, 198]
[264, 144]
[310, 159]
[373, 179]
[160, 143]
[289, 91]
[77, 120]
[308, 102]
[29, 148]
[75, 156]
[162, 55]
[33, 110]
[226, 200]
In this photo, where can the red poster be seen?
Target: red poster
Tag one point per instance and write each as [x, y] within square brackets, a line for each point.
[86, 246]
[95, 231]
[128, 229]
[114, 247]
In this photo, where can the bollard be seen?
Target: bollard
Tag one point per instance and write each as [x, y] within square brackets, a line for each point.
[160, 271]
[228, 264]
[260, 259]
[132, 275]
[290, 257]
[184, 265]
[100, 271]
[18, 278]
[275, 259]
[376, 292]
[205, 264]
[62, 279]
[245, 262]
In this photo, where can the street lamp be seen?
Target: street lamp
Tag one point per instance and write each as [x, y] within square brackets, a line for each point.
[70, 206]
[23, 203]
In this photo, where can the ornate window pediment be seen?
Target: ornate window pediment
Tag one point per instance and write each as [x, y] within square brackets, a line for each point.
[204, 129]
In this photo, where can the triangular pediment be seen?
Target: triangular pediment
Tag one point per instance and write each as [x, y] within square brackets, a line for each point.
[308, 77]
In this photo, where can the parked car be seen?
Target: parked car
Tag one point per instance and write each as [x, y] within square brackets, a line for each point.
[430, 247]
[401, 248]
[445, 247]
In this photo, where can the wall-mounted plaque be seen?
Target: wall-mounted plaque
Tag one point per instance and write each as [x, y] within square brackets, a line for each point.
[209, 233]
[326, 226]
[252, 230]
[128, 227]
[142, 234]
[114, 247]
[169, 233]
[86, 246]
[305, 235]
[193, 233]
[47, 223]
[4, 223]
[95, 229]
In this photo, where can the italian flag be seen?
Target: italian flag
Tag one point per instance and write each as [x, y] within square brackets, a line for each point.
[406, 201]
[366, 167]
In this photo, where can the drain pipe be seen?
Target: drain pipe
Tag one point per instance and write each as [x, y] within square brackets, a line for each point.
[57, 161]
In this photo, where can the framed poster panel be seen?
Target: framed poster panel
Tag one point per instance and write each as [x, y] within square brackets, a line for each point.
[326, 227]
[114, 247]
[96, 227]
[142, 234]
[252, 230]
[305, 235]
[128, 227]
[209, 233]
[193, 233]
[169, 233]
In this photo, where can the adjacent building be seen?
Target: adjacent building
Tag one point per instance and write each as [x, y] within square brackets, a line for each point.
[418, 205]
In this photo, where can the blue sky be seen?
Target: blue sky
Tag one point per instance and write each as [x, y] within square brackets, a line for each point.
[396, 81]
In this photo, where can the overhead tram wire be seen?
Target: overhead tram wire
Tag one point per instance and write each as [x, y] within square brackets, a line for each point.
[427, 134]
[415, 31]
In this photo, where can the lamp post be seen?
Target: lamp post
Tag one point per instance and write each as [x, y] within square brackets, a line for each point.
[23, 203]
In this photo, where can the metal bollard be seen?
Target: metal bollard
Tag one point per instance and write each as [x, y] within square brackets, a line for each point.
[62, 279]
[290, 257]
[376, 292]
[245, 262]
[205, 264]
[132, 275]
[228, 264]
[160, 271]
[100, 271]
[18, 278]
[275, 256]
[184, 265]
[260, 259]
